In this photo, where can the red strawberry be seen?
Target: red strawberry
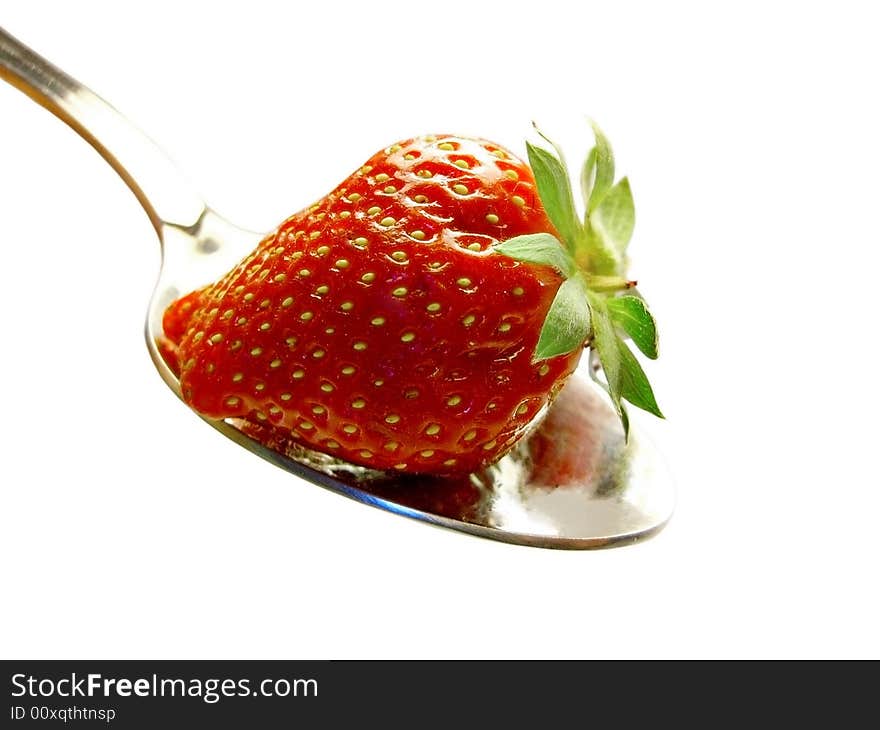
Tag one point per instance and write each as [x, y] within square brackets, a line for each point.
[385, 324]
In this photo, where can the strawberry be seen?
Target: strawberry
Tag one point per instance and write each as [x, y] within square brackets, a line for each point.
[421, 316]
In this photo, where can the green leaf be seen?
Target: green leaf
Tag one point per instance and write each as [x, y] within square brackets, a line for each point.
[554, 189]
[556, 148]
[624, 418]
[598, 255]
[587, 172]
[632, 316]
[539, 248]
[615, 217]
[604, 176]
[634, 385]
[625, 377]
[567, 325]
[619, 406]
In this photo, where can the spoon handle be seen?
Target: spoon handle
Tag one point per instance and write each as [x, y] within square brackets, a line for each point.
[163, 192]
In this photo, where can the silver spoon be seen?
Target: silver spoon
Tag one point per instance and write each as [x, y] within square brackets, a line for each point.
[574, 483]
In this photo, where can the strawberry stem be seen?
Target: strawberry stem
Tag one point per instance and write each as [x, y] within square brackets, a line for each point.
[609, 283]
[591, 307]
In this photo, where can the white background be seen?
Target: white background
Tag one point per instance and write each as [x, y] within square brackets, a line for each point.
[129, 529]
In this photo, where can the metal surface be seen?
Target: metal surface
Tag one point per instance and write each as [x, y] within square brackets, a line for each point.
[573, 483]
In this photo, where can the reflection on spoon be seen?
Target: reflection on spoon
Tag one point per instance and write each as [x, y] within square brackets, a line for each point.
[574, 483]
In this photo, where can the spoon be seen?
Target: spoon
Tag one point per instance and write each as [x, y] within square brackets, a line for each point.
[573, 483]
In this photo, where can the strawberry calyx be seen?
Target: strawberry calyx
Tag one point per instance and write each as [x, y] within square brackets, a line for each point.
[595, 305]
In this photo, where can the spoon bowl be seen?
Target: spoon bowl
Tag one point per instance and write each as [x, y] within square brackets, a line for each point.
[574, 482]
